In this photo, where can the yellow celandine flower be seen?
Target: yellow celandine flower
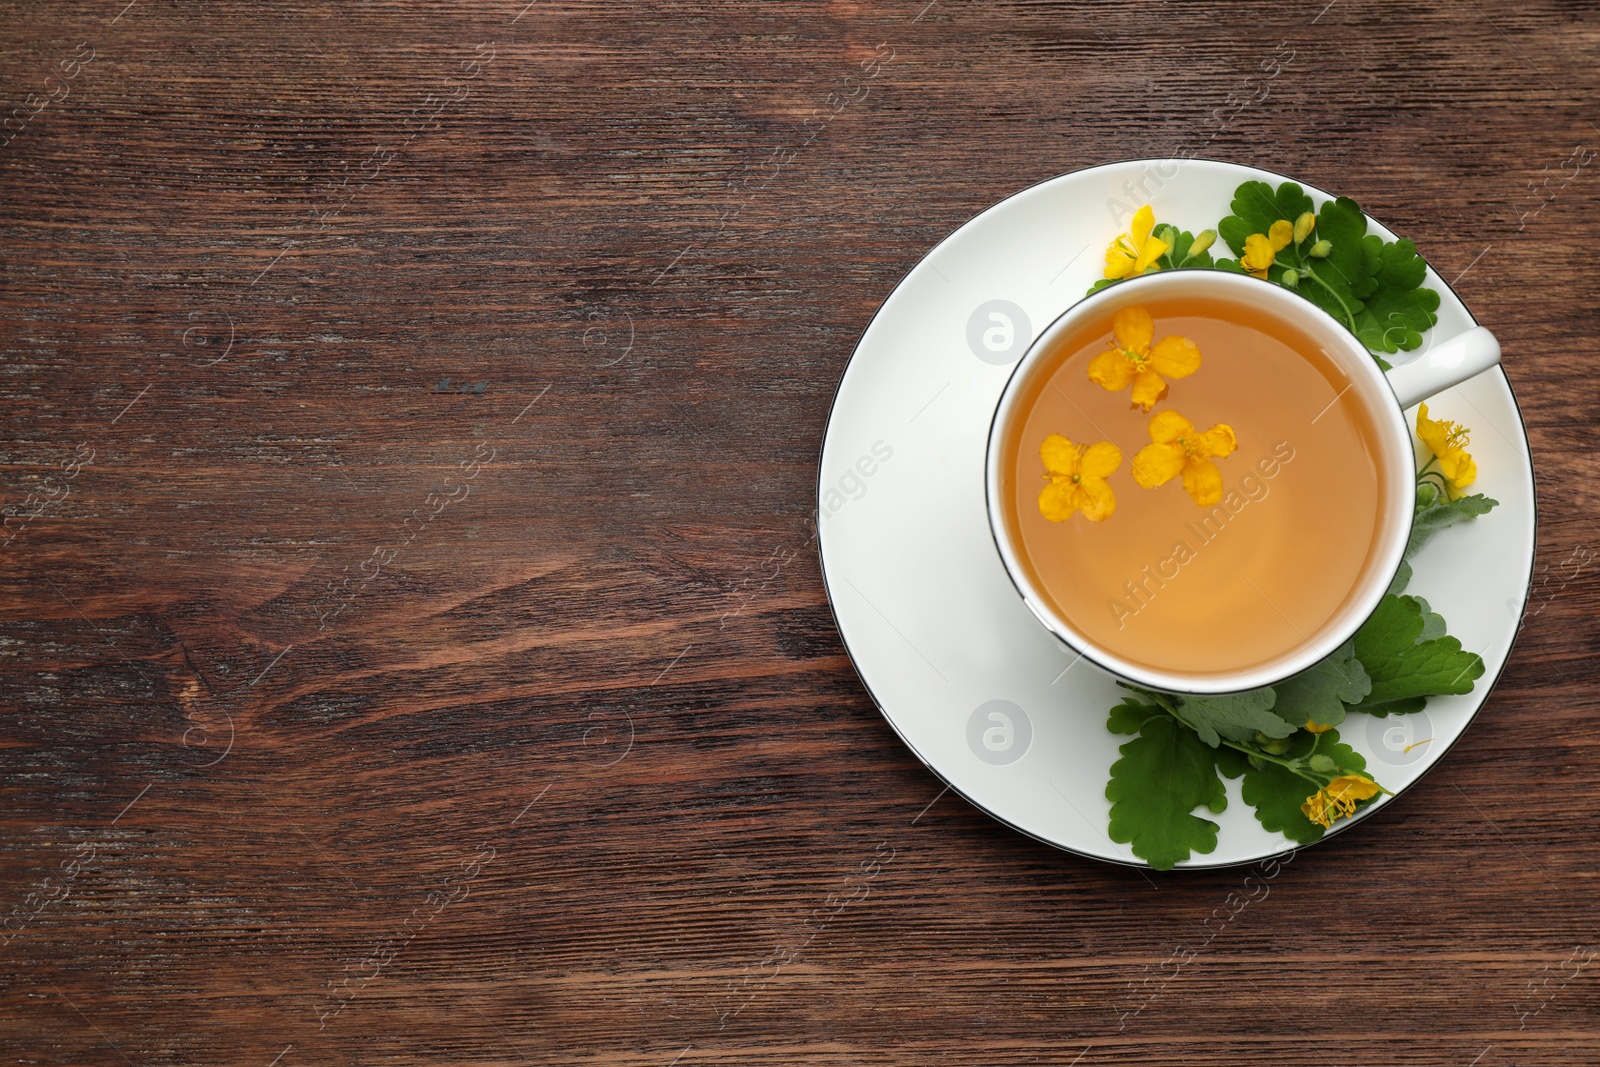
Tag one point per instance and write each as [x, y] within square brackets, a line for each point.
[1077, 475]
[1261, 249]
[1177, 448]
[1337, 799]
[1132, 359]
[1448, 441]
[1135, 251]
[1316, 727]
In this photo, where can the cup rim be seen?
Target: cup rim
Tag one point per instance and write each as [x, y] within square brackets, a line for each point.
[1396, 445]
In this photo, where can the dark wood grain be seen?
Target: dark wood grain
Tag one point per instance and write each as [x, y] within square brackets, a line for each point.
[581, 753]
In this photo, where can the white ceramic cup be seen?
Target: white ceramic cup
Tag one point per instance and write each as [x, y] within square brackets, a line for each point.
[1442, 365]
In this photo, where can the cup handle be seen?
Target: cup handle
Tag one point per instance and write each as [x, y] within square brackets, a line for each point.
[1445, 365]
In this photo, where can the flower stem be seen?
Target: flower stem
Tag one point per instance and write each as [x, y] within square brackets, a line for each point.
[1437, 478]
[1349, 316]
[1320, 781]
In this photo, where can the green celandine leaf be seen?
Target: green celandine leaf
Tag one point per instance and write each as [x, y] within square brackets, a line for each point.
[1404, 664]
[1163, 775]
[1340, 282]
[1277, 792]
[1397, 310]
[1433, 626]
[1319, 694]
[1400, 267]
[1256, 206]
[1128, 716]
[1405, 706]
[1236, 716]
[1436, 515]
[1402, 578]
[1393, 628]
[1231, 763]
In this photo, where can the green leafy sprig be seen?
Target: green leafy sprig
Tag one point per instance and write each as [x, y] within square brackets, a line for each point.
[1371, 285]
[1374, 287]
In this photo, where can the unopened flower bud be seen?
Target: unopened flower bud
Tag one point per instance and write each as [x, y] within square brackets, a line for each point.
[1427, 493]
[1322, 764]
[1321, 249]
[1277, 746]
[1291, 277]
[1303, 226]
[1203, 240]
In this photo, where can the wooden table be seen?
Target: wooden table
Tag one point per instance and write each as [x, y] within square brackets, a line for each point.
[414, 650]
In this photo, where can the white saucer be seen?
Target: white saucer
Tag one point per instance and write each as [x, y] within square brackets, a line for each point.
[990, 701]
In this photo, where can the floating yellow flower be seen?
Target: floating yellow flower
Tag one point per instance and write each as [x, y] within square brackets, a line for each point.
[1338, 798]
[1178, 448]
[1133, 359]
[1448, 442]
[1077, 476]
[1135, 251]
[1261, 249]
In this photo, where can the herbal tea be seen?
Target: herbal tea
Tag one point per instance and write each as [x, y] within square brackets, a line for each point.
[1193, 485]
